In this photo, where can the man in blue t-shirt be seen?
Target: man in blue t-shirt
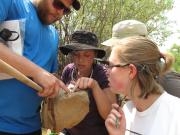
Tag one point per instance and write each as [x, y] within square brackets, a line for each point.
[19, 113]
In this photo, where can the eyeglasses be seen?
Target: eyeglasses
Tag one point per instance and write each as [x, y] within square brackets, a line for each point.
[59, 6]
[108, 64]
[116, 65]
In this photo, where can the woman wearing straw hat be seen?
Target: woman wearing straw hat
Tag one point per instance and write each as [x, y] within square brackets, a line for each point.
[85, 74]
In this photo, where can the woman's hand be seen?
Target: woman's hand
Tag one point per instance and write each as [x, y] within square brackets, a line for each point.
[85, 83]
[115, 122]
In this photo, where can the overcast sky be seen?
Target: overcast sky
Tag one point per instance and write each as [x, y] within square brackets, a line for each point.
[173, 15]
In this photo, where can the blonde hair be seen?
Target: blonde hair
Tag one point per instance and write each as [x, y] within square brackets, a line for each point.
[149, 61]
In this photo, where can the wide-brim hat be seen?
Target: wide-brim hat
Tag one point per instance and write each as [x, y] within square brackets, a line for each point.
[124, 29]
[81, 41]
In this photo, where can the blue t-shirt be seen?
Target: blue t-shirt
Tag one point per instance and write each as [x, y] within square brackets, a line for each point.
[20, 104]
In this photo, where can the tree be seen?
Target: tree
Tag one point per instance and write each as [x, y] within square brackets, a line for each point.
[100, 15]
[175, 50]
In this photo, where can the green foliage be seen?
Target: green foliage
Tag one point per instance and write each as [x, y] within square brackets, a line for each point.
[99, 16]
[175, 50]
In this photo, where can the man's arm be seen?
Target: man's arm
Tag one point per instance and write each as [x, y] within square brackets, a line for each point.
[50, 84]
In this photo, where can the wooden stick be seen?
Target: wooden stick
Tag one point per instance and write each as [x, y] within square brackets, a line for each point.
[8, 69]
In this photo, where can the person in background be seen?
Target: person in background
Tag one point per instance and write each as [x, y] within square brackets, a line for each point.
[171, 80]
[134, 66]
[20, 104]
[85, 74]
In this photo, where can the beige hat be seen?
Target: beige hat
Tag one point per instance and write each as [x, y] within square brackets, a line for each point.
[126, 28]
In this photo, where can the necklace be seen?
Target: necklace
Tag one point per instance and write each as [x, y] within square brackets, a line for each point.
[74, 74]
[71, 86]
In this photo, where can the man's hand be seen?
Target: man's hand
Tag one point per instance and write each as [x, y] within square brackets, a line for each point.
[50, 84]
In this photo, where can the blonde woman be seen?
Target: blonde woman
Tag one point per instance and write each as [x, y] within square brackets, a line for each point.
[134, 66]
